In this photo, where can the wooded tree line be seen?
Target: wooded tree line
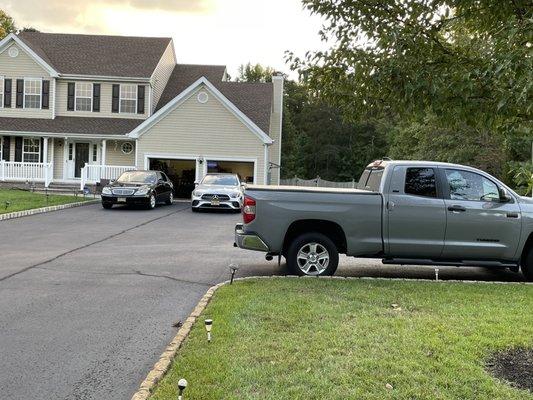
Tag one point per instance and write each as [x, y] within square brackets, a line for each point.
[444, 80]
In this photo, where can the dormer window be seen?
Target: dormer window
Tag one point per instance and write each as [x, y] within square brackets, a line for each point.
[128, 99]
[32, 93]
[84, 96]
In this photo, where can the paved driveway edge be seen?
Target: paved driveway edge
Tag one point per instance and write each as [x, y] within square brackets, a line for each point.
[33, 211]
[163, 365]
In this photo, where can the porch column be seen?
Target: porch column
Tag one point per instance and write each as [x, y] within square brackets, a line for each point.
[104, 150]
[45, 150]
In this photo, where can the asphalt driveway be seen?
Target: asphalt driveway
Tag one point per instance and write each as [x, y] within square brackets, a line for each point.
[88, 296]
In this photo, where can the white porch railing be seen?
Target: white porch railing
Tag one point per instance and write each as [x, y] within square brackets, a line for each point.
[95, 173]
[26, 171]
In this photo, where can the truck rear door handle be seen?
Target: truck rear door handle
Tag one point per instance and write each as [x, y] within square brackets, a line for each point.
[456, 208]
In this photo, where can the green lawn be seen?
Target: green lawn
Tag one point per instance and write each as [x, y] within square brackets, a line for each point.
[337, 339]
[22, 200]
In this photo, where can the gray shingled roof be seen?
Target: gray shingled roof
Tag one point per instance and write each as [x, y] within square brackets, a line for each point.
[120, 56]
[253, 99]
[80, 125]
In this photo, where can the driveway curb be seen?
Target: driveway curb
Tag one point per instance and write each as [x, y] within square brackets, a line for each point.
[161, 367]
[42, 210]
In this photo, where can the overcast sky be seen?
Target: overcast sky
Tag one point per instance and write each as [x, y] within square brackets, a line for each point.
[229, 32]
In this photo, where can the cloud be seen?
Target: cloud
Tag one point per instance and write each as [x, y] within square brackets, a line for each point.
[45, 14]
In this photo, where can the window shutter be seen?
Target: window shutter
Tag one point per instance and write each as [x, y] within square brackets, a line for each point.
[18, 149]
[140, 99]
[115, 100]
[70, 96]
[96, 97]
[6, 149]
[45, 99]
[20, 93]
[41, 148]
[7, 93]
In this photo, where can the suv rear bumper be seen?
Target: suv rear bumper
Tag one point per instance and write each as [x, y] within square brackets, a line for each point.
[249, 241]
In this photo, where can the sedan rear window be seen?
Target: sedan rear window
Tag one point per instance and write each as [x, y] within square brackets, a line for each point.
[137, 177]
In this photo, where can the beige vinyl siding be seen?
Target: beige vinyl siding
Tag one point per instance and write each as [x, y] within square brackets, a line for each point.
[162, 73]
[207, 130]
[115, 156]
[106, 89]
[20, 67]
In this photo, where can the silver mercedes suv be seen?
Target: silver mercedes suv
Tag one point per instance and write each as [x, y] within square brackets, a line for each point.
[218, 191]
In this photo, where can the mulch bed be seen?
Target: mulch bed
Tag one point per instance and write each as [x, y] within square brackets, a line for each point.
[514, 366]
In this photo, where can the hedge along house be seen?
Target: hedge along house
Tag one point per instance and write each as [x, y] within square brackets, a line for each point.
[80, 108]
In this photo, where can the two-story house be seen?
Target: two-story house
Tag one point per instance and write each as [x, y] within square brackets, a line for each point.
[80, 108]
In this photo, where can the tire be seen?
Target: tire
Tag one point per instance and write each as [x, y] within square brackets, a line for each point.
[312, 245]
[527, 265]
[107, 206]
[151, 202]
[195, 210]
[170, 199]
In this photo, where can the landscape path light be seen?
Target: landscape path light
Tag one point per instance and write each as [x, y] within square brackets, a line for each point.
[233, 270]
[208, 326]
[182, 384]
[436, 274]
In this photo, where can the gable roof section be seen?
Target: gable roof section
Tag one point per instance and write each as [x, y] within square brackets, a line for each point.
[97, 55]
[36, 54]
[253, 99]
[70, 125]
[185, 94]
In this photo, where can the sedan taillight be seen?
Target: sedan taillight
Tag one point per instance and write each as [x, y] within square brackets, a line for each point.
[248, 210]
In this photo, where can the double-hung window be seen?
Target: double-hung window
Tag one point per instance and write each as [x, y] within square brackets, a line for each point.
[32, 93]
[128, 99]
[1, 94]
[84, 96]
[31, 150]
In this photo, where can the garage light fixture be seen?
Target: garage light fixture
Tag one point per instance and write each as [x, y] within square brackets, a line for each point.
[208, 327]
[182, 384]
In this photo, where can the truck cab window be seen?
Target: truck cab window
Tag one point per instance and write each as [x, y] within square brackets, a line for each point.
[371, 179]
[465, 185]
[421, 182]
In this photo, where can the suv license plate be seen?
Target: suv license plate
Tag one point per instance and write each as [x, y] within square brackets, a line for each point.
[215, 202]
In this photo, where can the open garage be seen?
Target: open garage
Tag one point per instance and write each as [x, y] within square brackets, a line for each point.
[245, 169]
[181, 172]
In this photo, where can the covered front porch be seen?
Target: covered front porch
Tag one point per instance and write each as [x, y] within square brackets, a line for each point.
[67, 159]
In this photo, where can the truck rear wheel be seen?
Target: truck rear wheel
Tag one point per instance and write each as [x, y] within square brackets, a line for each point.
[527, 265]
[313, 254]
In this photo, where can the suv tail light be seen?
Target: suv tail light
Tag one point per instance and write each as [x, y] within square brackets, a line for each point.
[248, 210]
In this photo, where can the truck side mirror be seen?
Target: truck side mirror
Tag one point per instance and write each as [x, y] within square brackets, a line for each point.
[505, 197]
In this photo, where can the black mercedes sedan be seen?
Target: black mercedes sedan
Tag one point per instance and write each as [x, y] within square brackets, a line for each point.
[145, 188]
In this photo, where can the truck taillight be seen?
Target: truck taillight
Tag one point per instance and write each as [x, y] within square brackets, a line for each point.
[248, 210]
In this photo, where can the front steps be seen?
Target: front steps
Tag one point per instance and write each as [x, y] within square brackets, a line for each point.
[63, 188]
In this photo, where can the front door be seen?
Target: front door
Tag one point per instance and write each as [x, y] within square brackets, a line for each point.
[416, 213]
[480, 226]
[81, 157]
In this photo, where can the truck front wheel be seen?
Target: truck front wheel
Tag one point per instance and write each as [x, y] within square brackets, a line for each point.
[312, 254]
[527, 265]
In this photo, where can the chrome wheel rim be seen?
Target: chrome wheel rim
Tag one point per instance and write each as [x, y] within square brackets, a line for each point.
[312, 258]
[152, 201]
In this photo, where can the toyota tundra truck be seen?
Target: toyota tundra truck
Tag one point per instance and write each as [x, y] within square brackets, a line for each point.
[404, 212]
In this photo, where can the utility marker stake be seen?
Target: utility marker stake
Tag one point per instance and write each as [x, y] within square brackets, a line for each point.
[208, 326]
[182, 384]
[437, 274]
[233, 270]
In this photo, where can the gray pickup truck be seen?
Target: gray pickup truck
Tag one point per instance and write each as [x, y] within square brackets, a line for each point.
[405, 212]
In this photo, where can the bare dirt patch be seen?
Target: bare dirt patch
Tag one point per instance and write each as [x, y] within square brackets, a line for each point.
[514, 366]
